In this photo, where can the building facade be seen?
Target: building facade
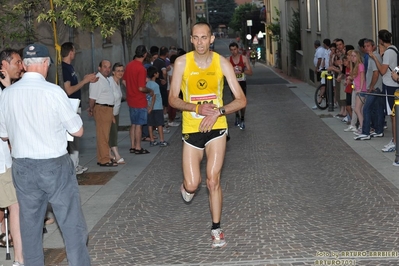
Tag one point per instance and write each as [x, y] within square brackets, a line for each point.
[320, 19]
[200, 9]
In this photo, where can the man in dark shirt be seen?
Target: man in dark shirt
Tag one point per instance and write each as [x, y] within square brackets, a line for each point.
[160, 64]
[72, 87]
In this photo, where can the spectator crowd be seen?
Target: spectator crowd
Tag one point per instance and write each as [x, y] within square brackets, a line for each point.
[364, 84]
[41, 140]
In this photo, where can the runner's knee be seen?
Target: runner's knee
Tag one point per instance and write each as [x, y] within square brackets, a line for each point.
[213, 183]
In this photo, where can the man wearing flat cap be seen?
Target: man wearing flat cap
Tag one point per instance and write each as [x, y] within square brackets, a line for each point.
[35, 116]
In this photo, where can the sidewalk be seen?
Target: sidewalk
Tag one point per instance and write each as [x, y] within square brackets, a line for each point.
[369, 150]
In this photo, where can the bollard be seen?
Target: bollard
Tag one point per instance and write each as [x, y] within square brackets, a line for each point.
[397, 125]
[329, 87]
[6, 216]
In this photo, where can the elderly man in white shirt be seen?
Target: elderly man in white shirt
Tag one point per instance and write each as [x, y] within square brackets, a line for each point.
[34, 116]
[101, 102]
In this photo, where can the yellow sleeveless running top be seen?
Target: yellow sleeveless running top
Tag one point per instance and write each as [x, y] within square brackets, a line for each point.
[202, 86]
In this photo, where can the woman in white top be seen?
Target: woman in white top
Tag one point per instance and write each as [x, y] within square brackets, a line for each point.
[115, 81]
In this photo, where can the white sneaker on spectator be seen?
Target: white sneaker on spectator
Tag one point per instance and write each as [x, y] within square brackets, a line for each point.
[350, 129]
[375, 135]
[395, 163]
[362, 137]
[174, 124]
[358, 131]
[345, 119]
[81, 169]
[389, 144]
[314, 107]
[389, 148]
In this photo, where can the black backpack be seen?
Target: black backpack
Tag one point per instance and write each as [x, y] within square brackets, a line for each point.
[397, 54]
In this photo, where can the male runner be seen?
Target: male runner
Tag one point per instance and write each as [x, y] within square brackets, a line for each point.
[242, 68]
[199, 75]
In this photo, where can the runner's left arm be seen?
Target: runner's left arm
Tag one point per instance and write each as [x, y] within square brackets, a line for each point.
[240, 100]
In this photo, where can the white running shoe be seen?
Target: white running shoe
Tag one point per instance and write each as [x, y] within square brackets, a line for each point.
[345, 119]
[80, 169]
[362, 137]
[187, 197]
[174, 124]
[375, 135]
[389, 148]
[389, 144]
[350, 129]
[218, 240]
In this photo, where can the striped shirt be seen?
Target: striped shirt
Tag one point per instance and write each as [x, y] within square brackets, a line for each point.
[35, 115]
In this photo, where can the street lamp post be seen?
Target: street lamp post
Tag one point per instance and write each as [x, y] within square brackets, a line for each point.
[249, 24]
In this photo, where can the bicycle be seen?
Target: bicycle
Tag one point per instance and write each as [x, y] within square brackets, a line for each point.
[321, 94]
[321, 97]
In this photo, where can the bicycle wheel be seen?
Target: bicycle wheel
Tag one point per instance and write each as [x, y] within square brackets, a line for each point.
[320, 97]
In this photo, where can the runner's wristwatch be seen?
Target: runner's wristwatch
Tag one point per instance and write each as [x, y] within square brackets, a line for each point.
[222, 111]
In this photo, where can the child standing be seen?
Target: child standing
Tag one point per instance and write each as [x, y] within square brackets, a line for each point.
[155, 109]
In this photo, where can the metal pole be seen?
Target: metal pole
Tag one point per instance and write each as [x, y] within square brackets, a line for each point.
[8, 255]
[397, 125]
[329, 85]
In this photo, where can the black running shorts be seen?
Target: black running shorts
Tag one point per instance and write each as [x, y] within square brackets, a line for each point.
[200, 140]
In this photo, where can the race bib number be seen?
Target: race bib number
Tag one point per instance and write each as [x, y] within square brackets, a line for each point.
[201, 99]
[240, 77]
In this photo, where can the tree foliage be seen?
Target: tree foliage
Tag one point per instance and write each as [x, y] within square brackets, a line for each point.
[240, 15]
[90, 14]
[274, 27]
[220, 12]
[129, 28]
[294, 36]
[127, 16]
[16, 26]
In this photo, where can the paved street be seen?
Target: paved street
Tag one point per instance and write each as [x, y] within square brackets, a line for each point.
[297, 191]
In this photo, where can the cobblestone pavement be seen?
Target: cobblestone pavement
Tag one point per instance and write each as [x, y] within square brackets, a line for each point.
[294, 192]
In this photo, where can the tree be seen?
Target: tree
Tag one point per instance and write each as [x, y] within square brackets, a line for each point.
[108, 15]
[200, 19]
[129, 28]
[241, 14]
[17, 26]
[294, 36]
[274, 27]
[275, 30]
[220, 12]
